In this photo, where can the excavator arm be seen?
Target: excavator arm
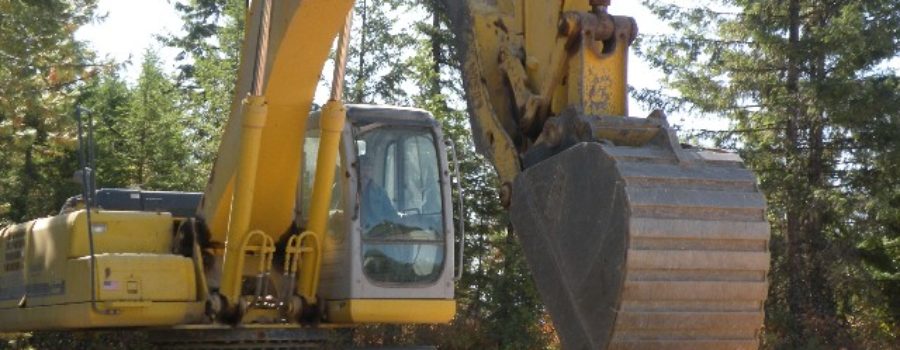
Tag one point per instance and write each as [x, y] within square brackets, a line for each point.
[634, 241]
[251, 191]
[524, 62]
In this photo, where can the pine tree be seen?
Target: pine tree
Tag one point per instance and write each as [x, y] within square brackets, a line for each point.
[210, 50]
[106, 103]
[377, 44]
[813, 116]
[396, 60]
[40, 79]
[152, 148]
[140, 134]
[498, 305]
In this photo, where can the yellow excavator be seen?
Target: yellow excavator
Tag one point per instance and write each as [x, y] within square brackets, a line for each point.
[343, 216]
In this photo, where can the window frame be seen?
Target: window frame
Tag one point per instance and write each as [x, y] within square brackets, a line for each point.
[440, 242]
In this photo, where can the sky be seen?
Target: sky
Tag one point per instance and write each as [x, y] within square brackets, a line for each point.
[130, 28]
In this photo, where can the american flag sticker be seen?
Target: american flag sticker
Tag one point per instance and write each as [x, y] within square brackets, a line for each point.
[110, 285]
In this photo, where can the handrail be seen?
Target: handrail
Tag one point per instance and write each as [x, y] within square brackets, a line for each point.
[87, 209]
[461, 205]
[265, 249]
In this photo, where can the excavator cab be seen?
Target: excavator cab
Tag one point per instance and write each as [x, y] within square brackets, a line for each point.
[388, 251]
[634, 240]
[387, 254]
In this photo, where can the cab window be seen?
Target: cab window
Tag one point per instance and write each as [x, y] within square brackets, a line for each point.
[337, 224]
[400, 205]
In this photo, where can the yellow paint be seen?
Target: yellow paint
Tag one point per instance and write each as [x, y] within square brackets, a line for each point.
[391, 311]
[488, 43]
[293, 251]
[598, 84]
[593, 85]
[563, 77]
[134, 277]
[331, 123]
[254, 120]
[114, 232]
[114, 305]
[261, 316]
[541, 21]
[80, 315]
[486, 92]
[262, 248]
[133, 287]
[199, 272]
[46, 253]
[300, 39]
[137, 280]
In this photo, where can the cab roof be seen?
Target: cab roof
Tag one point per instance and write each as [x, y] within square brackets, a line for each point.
[364, 114]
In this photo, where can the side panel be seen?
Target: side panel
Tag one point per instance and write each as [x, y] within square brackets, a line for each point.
[114, 232]
[45, 281]
[12, 276]
[80, 316]
[50, 244]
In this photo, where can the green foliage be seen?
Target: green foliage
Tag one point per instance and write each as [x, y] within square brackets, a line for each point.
[210, 50]
[107, 100]
[40, 78]
[814, 114]
[88, 340]
[140, 132]
[497, 304]
[161, 132]
[377, 44]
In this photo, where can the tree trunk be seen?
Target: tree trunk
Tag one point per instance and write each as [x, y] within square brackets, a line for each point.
[793, 233]
[21, 208]
[435, 87]
[810, 294]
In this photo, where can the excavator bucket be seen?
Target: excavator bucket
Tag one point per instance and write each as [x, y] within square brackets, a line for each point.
[645, 247]
[634, 242]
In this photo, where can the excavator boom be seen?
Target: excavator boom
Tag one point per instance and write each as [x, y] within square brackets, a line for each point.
[344, 216]
[633, 241]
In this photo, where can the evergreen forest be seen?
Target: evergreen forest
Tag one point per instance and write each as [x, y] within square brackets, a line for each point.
[810, 90]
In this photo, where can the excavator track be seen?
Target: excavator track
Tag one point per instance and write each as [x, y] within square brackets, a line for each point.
[240, 338]
[645, 247]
